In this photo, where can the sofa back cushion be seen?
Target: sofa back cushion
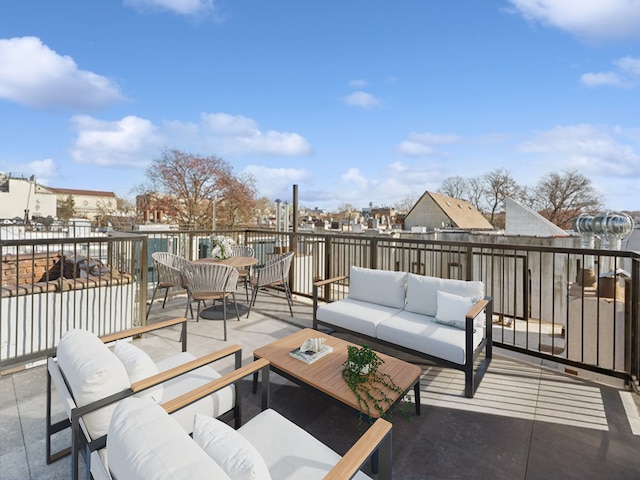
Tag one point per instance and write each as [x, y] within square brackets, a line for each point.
[422, 292]
[92, 372]
[139, 366]
[144, 442]
[382, 287]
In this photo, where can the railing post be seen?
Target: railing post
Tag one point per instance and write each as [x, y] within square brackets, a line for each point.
[373, 253]
[469, 264]
[144, 279]
[631, 306]
[328, 271]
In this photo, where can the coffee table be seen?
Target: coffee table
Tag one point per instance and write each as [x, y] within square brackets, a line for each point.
[325, 374]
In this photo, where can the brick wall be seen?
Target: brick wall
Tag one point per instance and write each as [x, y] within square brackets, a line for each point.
[30, 268]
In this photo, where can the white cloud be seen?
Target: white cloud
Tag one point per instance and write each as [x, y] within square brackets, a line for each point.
[629, 70]
[131, 141]
[359, 83]
[134, 141]
[44, 170]
[238, 135]
[585, 18]
[181, 7]
[422, 144]
[588, 148]
[629, 65]
[603, 78]
[276, 182]
[353, 177]
[362, 99]
[34, 75]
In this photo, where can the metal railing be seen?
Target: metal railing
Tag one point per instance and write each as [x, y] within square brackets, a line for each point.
[49, 286]
[573, 306]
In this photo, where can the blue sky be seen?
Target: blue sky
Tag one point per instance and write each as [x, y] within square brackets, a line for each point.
[356, 101]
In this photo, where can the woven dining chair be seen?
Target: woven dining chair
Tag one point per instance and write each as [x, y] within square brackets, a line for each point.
[211, 281]
[243, 273]
[168, 267]
[273, 273]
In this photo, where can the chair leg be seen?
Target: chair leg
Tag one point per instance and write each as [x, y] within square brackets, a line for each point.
[254, 294]
[166, 292]
[233, 295]
[289, 298]
[153, 296]
[224, 316]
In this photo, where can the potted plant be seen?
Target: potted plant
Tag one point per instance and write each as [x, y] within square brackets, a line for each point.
[369, 385]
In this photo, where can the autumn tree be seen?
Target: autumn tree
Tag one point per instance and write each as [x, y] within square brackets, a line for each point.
[187, 185]
[562, 197]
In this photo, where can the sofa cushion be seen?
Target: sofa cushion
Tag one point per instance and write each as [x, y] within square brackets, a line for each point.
[139, 366]
[229, 449]
[214, 405]
[452, 309]
[355, 315]
[419, 332]
[422, 292]
[92, 372]
[144, 442]
[382, 287]
[289, 451]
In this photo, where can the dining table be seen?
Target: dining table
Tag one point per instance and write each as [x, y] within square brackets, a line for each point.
[236, 262]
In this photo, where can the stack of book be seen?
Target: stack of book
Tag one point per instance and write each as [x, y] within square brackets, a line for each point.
[309, 356]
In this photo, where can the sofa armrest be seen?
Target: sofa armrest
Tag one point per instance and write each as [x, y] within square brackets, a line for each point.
[475, 310]
[224, 381]
[377, 437]
[133, 332]
[324, 283]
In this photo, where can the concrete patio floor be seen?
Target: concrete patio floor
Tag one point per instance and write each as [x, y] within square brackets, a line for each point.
[525, 422]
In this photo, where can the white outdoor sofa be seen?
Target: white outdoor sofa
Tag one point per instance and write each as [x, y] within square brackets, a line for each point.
[92, 378]
[145, 442]
[443, 320]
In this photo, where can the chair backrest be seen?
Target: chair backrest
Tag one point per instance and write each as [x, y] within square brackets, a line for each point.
[169, 268]
[275, 270]
[210, 277]
[242, 251]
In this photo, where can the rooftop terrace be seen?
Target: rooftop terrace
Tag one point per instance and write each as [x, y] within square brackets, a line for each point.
[526, 421]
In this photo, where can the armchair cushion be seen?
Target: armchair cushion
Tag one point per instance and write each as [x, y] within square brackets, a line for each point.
[144, 442]
[93, 372]
[139, 366]
[382, 287]
[229, 449]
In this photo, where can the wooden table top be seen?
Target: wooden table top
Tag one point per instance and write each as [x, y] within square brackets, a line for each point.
[236, 262]
[325, 374]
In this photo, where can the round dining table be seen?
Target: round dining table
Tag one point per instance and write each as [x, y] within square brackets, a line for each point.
[236, 262]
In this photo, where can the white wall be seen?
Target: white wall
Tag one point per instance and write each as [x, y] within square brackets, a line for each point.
[24, 194]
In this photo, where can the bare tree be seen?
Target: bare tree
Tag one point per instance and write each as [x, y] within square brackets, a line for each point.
[405, 204]
[455, 187]
[475, 195]
[562, 197]
[188, 184]
[498, 185]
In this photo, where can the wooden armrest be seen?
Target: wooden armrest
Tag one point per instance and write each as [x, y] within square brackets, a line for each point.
[213, 386]
[477, 308]
[319, 283]
[360, 452]
[132, 332]
[184, 368]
